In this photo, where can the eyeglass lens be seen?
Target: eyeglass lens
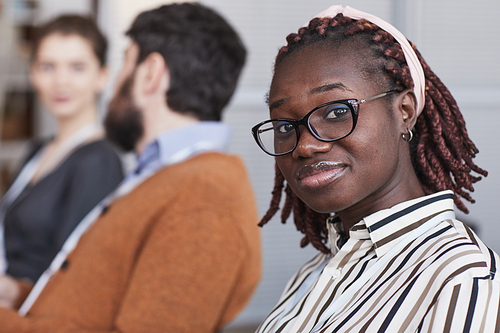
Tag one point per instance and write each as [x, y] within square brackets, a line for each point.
[329, 122]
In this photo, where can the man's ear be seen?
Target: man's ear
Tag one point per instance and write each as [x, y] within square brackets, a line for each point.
[406, 111]
[153, 72]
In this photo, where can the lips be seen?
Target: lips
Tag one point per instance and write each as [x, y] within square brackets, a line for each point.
[320, 174]
[61, 99]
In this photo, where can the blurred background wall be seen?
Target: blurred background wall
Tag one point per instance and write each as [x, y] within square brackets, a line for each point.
[458, 38]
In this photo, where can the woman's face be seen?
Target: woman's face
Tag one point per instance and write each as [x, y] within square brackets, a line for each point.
[67, 75]
[355, 174]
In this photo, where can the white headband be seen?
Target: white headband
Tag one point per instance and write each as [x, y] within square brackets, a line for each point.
[416, 70]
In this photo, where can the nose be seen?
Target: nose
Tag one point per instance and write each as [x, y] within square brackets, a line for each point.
[61, 77]
[308, 145]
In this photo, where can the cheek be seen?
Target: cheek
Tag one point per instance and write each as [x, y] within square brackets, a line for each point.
[87, 79]
[87, 85]
[41, 83]
[284, 166]
[375, 133]
[374, 153]
[45, 94]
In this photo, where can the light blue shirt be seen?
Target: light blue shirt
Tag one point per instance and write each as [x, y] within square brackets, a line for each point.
[181, 143]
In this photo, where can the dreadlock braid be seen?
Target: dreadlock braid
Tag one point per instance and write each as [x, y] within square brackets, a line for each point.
[447, 149]
[442, 151]
[276, 198]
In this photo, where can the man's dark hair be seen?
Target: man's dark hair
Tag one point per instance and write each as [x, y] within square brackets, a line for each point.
[203, 53]
[73, 25]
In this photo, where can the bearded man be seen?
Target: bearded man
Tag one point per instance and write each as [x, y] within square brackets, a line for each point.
[175, 248]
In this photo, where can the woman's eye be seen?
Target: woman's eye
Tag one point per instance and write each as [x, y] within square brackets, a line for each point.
[46, 67]
[284, 128]
[78, 67]
[336, 111]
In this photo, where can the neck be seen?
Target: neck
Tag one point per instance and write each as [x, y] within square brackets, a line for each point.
[158, 120]
[403, 189]
[67, 126]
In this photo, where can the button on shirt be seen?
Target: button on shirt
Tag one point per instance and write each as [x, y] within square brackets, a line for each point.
[410, 268]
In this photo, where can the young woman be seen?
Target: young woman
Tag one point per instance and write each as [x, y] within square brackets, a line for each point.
[375, 154]
[66, 176]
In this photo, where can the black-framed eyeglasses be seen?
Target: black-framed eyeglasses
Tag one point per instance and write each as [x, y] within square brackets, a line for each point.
[328, 122]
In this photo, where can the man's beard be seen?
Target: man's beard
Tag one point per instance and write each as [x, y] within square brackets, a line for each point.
[124, 124]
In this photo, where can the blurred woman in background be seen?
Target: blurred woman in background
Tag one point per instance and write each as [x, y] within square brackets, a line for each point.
[64, 177]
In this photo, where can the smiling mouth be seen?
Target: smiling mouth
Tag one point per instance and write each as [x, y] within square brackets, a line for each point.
[320, 174]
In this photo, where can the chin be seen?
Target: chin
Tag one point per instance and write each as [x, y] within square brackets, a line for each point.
[318, 203]
[322, 200]
[63, 112]
[323, 209]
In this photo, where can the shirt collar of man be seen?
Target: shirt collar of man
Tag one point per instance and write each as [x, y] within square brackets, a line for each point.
[178, 144]
[387, 227]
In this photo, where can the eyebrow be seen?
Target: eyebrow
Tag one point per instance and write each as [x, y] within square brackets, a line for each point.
[317, 90]
[278, 103]
[328, 87]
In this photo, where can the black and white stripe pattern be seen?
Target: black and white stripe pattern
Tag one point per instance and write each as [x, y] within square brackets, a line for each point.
[444, 280]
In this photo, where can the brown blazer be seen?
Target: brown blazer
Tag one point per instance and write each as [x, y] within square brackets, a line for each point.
[180, 253]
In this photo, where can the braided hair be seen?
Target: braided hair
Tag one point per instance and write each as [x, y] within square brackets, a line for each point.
[441, 150]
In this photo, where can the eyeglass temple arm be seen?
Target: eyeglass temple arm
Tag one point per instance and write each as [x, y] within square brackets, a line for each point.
[264, 130]
[375, 97]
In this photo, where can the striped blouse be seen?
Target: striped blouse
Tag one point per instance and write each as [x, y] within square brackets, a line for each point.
[410, 268]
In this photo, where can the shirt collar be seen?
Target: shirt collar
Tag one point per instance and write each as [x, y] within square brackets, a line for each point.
[389, 226]
[176, 145]
[150, 154]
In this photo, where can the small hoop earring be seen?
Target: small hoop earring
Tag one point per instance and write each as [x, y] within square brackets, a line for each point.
[410, 134]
